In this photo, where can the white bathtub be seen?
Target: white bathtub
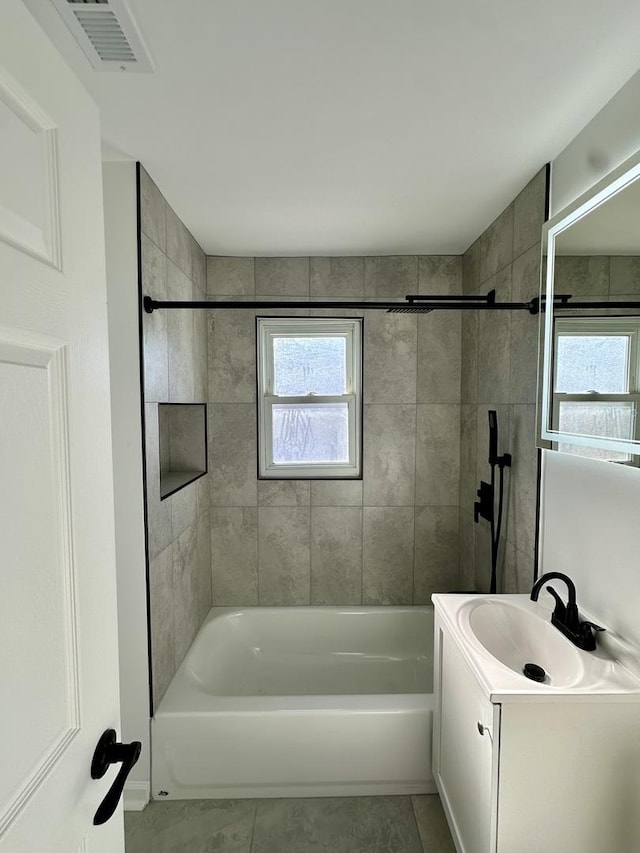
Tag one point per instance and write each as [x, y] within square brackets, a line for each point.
[299, 702]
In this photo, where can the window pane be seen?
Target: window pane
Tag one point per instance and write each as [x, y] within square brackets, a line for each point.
[609, 419]
[310, 432]
[309, 365]
[592, 363]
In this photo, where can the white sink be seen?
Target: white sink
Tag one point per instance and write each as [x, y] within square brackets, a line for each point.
[502, 633]
[515, 637]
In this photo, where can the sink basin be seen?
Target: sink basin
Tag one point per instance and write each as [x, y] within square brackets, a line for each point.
[516, 636]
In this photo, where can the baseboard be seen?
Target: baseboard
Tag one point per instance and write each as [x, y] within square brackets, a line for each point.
[136, 796]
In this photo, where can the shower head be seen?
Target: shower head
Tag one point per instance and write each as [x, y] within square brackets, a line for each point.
[410, 309]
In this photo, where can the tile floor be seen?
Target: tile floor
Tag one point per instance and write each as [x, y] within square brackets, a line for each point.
[318, 825]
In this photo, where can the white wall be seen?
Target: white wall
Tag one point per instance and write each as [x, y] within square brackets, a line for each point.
[122, 297]
[589, 520]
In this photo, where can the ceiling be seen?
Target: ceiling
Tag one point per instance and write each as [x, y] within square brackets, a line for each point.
[348, 127]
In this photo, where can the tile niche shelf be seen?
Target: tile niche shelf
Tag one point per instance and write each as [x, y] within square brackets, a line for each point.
[183, 445]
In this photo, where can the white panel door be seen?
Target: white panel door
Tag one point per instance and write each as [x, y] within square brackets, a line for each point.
[58, 643]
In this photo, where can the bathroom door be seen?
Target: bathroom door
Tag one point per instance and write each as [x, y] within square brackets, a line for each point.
[58, 642]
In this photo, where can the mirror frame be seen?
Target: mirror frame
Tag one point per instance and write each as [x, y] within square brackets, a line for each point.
[609, 186]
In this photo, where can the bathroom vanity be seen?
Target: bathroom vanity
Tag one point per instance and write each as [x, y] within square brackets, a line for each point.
[523, 766]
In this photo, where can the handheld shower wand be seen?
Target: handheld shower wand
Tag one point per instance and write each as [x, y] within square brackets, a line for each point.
[485, 506]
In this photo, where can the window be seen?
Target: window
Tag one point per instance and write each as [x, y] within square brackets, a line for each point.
[309, 398]
[596, 381]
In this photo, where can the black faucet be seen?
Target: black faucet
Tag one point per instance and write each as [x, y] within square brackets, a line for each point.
[565, 617]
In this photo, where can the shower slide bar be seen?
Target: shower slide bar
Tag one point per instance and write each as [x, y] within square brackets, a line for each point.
[413, 304]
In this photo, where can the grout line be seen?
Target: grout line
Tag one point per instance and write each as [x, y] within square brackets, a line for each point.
[253, 827]
[415, 820]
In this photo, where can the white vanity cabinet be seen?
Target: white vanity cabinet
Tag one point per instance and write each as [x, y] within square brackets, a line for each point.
[529, 772]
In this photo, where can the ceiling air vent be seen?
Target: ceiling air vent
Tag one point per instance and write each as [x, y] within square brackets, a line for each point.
[107, 33]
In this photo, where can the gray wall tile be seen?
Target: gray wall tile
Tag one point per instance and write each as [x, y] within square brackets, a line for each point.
[232, 356]
[234, 556]
[232, 454]
[436, 551]
[625, 275]
[522, 493]
[156, 359]
[496, 245]
[162, 617]
[184, 509]
[468, 454]
[185, 591]
[471, 269]
[198, 269]
[437, 455]
[200, 356]
[178, 243]
[284, 555]
[390, 277]
[159, 512]
[153, 211]
[282, 277]
[528, 214]
[494, 356]
[440, 274]
[389, 455]
[203, 600]
[526, 275]
[336, 555]
[469, 357]
[231, 276]
[387, 572]
[339, 277]
[482, 560]
[501, 282]
[523, 381]
[517, 570]
[390, 357]
[581, 275]
[180, 339]
[336, 493]
[439, 357]
[284, 493]
[467, 548]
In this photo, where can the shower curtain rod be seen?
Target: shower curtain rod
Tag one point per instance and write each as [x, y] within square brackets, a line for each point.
[413, 304]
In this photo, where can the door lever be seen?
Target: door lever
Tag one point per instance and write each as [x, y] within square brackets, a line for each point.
[109, 752]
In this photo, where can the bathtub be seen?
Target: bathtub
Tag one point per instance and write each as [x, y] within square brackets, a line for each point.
[299, 702]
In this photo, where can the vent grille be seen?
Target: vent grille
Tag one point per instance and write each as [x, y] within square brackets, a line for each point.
[107, 33]
[106, 36]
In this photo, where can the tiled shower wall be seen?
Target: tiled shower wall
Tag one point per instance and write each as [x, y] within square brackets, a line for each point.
[598, 277]
[175, 371]
[499, 371]
[389, 539]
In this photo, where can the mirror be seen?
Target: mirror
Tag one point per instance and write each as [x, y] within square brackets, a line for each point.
[590, 389]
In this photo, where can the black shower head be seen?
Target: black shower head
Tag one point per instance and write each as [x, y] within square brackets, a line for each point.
[409, 309]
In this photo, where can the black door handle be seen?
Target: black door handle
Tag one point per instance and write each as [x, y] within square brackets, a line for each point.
[109, 752]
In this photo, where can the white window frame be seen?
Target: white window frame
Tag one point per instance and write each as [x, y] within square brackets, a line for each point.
[269, 328]
[601, 327]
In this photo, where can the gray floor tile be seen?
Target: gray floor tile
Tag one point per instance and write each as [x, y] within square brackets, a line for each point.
[191, 826]
[432, 825]
[336, 825]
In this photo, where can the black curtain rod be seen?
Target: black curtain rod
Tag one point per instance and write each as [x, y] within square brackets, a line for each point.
[412, 305]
